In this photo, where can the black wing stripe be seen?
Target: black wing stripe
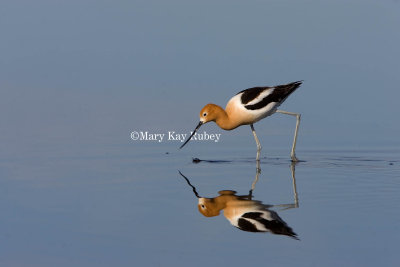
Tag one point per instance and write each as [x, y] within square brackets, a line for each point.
[275, 226]
[280, 93]
[245, 225]
[252, 215]
[251, 94]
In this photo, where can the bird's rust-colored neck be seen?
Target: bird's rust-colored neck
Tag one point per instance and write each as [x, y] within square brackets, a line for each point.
[211, 207]
[223, 120]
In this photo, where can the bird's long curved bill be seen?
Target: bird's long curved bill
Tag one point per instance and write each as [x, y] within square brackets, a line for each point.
[190, 137]
[187, 181]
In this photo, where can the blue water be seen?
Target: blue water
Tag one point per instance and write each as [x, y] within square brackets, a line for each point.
[77, 77]
[128, 205]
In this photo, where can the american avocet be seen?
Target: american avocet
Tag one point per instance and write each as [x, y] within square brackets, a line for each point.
[243, 212]
[248, 107]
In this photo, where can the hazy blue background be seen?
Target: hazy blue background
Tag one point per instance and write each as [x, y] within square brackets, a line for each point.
[92, 71]
[76, 77]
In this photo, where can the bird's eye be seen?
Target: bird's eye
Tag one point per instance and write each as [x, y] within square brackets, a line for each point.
[204, 114]
[203, 206]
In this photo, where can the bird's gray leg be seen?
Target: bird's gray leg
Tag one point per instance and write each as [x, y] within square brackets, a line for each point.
[298, 116]
[253, 185]
[296, 198]
[257, 141]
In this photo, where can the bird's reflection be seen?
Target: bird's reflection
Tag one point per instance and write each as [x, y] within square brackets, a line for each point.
[245, 213]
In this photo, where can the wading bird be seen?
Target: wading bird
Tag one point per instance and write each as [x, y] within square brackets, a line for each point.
[249, 106]
[243, 212]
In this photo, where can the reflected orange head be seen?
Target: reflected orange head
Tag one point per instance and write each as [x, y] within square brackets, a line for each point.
[208, 207]
[211, 207]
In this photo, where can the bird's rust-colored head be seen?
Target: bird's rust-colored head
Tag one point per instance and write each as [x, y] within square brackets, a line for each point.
[208, 207]
[209, 112]
[211, 207]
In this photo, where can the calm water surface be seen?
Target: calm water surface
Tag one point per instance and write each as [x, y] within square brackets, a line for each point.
[77, 77]
[127, 205]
